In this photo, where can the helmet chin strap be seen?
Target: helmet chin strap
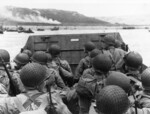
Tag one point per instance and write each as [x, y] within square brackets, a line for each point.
[39, 87]
[30, 88]
[34, 88]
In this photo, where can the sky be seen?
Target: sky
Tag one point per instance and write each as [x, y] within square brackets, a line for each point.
[91, 8]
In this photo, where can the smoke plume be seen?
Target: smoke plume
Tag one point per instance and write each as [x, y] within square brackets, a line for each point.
[7, 14]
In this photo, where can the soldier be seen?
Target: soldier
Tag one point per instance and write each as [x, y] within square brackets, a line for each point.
[133, 63]
[87, 85]
[33, 76]
[62, 66]
[108, 43]
[123, 81]
[20, 60]
[84, 63]
[69, 96]
[141, 100]
[93, 54]
[4, 80]
[144, 97]
[41, 58]
[113, 100]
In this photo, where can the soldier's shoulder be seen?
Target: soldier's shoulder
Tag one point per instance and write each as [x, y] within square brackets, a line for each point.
[8, 105]
[87, 78]
[82, 61]
[64, 61]
[120, 50]
[52, 70]
[7, 101]
[89, 71]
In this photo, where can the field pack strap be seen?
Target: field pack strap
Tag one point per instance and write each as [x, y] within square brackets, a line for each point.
[19, 105]
[32, 99]
[22, 108]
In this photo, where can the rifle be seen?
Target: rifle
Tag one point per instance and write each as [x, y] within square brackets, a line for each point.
[135, 104]
[14, 90]
[50, 109]
[59, 63]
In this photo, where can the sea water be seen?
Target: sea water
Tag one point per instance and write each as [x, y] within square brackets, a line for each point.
[137, 40]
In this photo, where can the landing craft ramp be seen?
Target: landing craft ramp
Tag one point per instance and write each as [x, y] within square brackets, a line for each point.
[71, 44]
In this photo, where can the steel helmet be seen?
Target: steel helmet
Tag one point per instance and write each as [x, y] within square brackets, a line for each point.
[32, 74]
[119, 79]
[89, 46]
[117, 44]
[54, 50]
[4, 54]
[49, 57]
[145, 78]
[94, 52]
[133, 59]
[40, 57]
[102, 62]
[28, 52]
[112, 100]
[22, 59]
[108, 39]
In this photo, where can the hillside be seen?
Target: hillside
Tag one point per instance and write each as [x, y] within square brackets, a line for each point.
[26, 16]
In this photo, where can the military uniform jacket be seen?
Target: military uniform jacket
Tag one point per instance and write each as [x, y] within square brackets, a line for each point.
[117, 55]
[90, 71]
[144, 99]
[139, 111]
[22, 102]
[55, 79]
[4, 79]
[89, 85]
[144, 104]
[82, 66]
[17, 81]
[62, 67]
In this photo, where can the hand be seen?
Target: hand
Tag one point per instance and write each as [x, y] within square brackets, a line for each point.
[58, 62]
[50, 81]
[137, 104]
[50, 110]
